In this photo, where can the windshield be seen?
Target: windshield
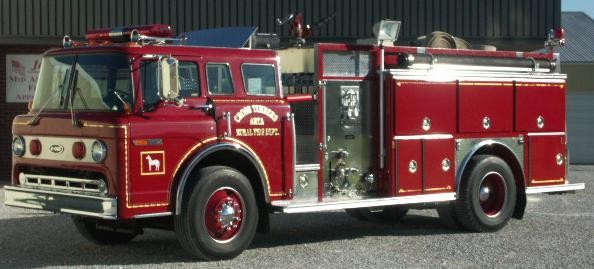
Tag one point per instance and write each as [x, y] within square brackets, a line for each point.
[100, 82]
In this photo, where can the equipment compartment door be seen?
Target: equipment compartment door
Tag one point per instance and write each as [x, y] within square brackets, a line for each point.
[409, 167]
[438, 168]
[547, 160]
[424, 107]
[540, 107]
[485, 107]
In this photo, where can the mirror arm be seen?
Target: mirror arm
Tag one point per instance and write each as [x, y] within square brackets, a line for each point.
[206, 108]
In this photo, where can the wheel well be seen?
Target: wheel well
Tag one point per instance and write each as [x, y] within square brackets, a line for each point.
[240, 163]
[511, 159]
[231, 156]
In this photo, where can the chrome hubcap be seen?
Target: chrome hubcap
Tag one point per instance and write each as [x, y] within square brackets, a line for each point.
[228, 215]
[492, 194]
[484, 193]
[223, 214]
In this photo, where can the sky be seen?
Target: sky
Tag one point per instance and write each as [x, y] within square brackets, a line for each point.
[586, 6]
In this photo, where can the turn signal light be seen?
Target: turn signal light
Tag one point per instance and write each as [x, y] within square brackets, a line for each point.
[35, 147]
[79, 150]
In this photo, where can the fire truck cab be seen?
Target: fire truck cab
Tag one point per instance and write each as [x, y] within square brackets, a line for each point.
[138, 129]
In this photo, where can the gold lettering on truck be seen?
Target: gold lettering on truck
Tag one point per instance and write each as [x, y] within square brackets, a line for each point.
[257, 132]
[260, 109]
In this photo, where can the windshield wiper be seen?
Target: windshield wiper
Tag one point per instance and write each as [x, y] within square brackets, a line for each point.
[76, 91]
[75, 121]
[35, 119]
[61, 93]
[64, 87]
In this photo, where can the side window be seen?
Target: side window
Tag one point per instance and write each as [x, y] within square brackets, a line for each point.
[259, 79]
[189, 80]
[219, 79]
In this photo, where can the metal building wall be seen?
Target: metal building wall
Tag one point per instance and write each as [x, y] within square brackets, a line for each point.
[39, 21]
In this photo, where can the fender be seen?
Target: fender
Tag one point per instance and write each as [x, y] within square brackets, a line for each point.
[480, 146]
[212, 149]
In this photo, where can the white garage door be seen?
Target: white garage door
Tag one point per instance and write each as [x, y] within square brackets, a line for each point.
[580, 125]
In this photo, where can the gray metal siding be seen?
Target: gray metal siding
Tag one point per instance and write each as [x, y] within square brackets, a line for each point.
[580, 38]
[580, 125]
[484, 19]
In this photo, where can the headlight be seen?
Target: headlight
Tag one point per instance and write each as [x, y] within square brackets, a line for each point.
[18, 146]
[98, 151]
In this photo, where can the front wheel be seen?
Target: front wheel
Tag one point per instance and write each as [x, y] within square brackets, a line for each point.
[87, 227]
[487, 195]
[219, 217]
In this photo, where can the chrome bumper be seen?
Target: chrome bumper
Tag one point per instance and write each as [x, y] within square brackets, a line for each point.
[99, 207]
[556, 188]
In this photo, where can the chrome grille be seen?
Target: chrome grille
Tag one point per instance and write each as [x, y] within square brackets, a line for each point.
[68, 184]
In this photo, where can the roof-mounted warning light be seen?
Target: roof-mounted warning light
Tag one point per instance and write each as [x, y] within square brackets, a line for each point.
[129, 34]
[555, 38]
[143, 34]
[67, 42]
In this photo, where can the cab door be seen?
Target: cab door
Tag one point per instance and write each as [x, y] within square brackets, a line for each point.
[161, 133]
[250, 113]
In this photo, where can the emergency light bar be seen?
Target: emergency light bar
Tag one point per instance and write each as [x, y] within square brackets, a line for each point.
[129, 34]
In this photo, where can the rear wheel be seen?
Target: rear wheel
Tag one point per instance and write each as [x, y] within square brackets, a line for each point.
[88, 228]
[219, 217]
[487, 195]
[389, 214]
[447, 215]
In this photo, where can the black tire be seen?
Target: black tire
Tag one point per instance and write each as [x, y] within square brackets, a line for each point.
[447, 216]
[202, 229]
[491, 210]
[87, 227]
[389, 214]
[356, 214]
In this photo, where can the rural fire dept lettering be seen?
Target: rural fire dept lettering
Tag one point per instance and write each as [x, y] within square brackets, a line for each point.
[152, 163]
[257, 132]
[256, 121]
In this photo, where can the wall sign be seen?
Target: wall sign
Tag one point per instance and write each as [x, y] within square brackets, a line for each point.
[22, 71]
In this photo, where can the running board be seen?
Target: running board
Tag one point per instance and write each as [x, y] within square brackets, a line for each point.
[556, 188]
[287, 207]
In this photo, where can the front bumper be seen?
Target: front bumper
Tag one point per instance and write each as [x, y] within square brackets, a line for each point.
[85, 205]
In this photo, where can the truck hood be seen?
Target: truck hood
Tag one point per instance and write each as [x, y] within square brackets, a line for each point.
[96, 125]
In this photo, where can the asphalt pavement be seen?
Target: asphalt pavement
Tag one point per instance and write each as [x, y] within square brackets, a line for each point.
[557, 232]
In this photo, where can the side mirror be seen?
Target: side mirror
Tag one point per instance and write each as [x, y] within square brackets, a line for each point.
[169, 78]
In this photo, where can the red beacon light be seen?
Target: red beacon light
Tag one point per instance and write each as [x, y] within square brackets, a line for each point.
[555, 38]
[156, 32]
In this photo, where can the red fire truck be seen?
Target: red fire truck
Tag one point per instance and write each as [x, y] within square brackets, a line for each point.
[209, 133]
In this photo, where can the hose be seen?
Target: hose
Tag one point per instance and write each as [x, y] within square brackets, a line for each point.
[440, 39]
